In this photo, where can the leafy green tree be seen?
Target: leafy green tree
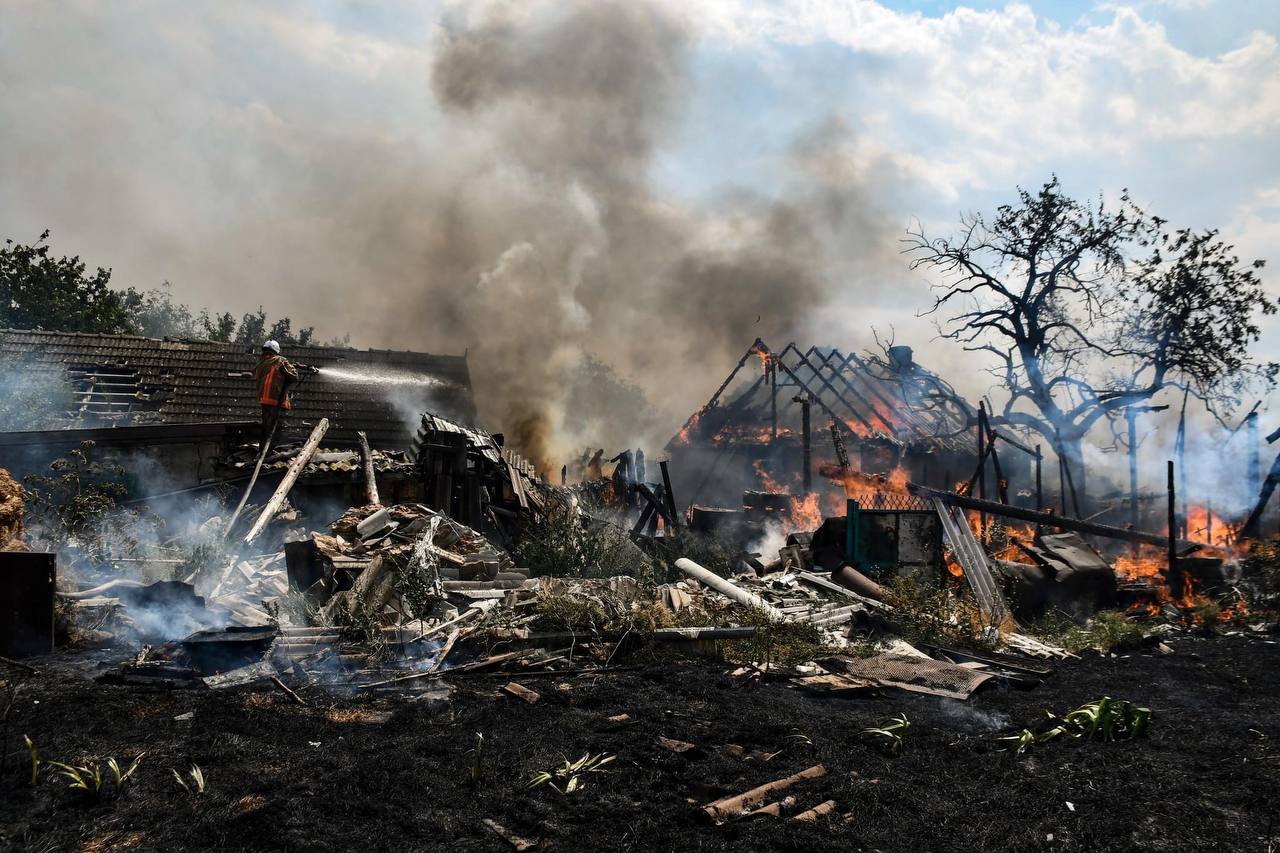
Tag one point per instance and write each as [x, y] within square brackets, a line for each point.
[40, 291]
[252, 327]
[156, 315]
[219, 327]
[282, 331]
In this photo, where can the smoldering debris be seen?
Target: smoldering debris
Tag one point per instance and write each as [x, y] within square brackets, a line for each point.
[456, 569]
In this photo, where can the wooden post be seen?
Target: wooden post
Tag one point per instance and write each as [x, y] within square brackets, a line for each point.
[1132, 417]
[1002, 485]
[370, 477]
[1255, 463]
[1075, 501]
[1181, 446]
[1173, 576]
[1039, 483]
[982, 464]
[807, 461]
[290, 477]
[773, 394]
[850, 531]
[668, 495]
[1062, 482]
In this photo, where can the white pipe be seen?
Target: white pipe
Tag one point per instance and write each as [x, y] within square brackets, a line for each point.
[727, 589]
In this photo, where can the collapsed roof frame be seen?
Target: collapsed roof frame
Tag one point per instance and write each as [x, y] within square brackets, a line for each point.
[864, 400]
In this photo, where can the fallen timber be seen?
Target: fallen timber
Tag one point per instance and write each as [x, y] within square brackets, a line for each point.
[1073, 524]
[291, 476]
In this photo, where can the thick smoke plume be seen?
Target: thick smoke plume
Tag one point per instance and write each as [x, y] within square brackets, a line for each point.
[583, 254]
[486, 185]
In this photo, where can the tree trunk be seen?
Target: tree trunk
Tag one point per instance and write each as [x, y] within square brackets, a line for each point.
[1071, 449]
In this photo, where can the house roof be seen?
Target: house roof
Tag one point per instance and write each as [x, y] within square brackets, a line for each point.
[899, 401]
[106, 380]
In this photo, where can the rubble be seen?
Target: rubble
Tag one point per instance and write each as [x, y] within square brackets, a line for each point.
[419, 596]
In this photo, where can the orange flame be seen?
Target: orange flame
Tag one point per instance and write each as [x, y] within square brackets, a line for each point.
[763, 354]
[1205, 525]
[805, 513]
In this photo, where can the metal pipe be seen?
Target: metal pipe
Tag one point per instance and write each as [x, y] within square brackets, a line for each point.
[728, 589]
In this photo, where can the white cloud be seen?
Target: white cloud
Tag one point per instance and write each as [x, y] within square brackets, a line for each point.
[1014, 82]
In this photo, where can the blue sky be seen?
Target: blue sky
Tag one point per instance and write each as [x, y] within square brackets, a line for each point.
[753, 95]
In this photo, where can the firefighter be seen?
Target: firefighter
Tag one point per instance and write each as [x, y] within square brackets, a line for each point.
[273, 377]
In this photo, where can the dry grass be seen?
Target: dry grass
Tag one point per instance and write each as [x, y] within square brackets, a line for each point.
[260, 701]
[112, 840]
[251, 803]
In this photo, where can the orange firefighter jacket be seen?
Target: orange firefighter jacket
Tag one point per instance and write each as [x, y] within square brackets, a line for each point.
[273, 376]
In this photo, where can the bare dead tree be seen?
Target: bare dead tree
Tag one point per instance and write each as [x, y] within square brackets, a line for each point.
[1087, 309]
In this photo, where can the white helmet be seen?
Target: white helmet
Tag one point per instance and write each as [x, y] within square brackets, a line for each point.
[273, 346]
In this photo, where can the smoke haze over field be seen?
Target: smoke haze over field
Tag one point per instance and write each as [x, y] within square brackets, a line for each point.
[649, 183]
[516, 217]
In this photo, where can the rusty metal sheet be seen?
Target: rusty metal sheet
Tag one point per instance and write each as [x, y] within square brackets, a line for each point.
[919, 675]
[1074, 551]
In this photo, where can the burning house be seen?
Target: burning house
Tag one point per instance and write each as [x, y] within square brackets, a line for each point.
[794, 434]
[790, 416]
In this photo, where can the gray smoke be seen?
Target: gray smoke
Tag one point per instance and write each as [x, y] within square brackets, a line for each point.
[488, 186]
[575, 98]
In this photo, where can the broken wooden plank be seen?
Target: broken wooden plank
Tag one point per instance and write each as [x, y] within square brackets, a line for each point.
[833, 684]
[729, 807]
[810, 815]
[680, 747]
[275, 679]
[370, 478]
[517, 843]
[519, 691]
[1079, 526]
[291, 476]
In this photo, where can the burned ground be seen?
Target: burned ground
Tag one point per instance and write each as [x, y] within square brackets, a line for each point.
[394, 772]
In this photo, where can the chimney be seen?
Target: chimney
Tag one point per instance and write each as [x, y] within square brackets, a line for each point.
[900, 359]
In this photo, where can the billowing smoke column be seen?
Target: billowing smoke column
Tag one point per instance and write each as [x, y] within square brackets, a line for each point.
[484, 183]
[561, 245]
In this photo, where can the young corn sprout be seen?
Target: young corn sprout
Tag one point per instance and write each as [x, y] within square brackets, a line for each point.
[1020, 742]
[477, 753]
[567, 779]
[891, 732]
[35, 759]
[799, 738]
[194, 787]
[1104, 719]
[87, 779]
[121, 778]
